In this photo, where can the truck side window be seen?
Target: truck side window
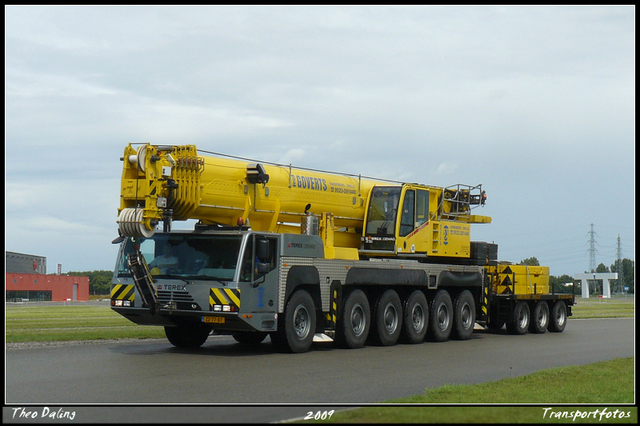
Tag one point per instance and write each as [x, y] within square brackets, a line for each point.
[422, 207]
[407, 220]
[273, 253]
[246, 273]
[250, 271]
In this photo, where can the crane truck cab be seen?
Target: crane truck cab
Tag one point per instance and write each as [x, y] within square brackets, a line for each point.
[226, 280]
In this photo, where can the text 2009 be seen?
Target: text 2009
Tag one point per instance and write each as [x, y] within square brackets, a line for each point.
[320, 415]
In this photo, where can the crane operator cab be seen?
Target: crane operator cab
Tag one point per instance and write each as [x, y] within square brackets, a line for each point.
[419, 220]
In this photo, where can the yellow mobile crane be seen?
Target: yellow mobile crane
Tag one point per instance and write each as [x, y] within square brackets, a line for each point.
[293, 253]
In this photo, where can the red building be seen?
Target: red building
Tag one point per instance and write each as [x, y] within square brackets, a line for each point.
[38, 287]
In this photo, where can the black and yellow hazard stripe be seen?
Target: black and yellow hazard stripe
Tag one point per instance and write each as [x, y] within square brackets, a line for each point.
[334, 307]
[123, 292]
[507, 283]
[331, 316]
[224, 296]
[505, 280]
[485, 301]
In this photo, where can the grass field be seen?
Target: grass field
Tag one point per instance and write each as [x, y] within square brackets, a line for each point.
[607, 384]
[595, 307]
[45, 323]
[610, 383]
[547, 396]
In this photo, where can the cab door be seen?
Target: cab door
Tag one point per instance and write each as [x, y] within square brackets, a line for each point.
[259, 274]
[414, 228]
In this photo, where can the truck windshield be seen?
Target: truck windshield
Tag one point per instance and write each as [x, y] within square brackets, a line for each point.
[186, 256]
[383, 209]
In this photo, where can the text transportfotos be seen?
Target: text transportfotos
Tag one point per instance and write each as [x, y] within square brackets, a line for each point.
[578, 414]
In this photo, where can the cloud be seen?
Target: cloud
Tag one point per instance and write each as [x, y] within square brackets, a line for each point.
[446, 168]
[292, 156]
[540, 98]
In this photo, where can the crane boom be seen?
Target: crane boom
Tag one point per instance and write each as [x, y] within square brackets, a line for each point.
[166, 183]
[218, 190]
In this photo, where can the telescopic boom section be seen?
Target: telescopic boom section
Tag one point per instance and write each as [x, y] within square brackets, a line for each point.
[175, 183]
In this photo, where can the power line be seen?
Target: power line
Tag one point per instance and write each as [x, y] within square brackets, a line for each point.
[620, 270]
[592, 250]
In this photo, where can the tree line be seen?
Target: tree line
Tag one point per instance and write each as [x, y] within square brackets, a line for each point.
[99, 281]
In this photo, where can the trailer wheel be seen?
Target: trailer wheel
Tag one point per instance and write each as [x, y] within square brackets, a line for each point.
[183, 336]
[539, 318]
[520, 319]
[354, 323]
[441, 321]
[249, 337]
[416, 318]
[464, 316]
[297, 325]
[387, 322]
[558, 320]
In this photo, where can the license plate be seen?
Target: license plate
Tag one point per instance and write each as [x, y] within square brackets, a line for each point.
[214, 320]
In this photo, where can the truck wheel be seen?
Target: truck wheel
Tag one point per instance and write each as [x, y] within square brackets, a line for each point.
[464, 316]
[387, 322]
[558, 320]
[539, 318]
[520, 319]
[441, 320]
[187, 336]
[353, 325]
[249, 337]
[416, 318]
[297, 326]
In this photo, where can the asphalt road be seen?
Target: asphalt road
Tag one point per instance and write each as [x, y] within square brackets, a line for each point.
[223, 381]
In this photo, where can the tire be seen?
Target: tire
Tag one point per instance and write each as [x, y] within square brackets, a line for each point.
[558, 318]
[464, 316]
[387, 320]
[297, 326]
[441, 321]
[539, 318]
[191, 337]
[355, 321]
[415, 320]
[249, 337]
[520, 319]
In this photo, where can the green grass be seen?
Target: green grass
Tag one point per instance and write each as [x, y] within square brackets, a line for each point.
[42, 323]
[594, 307]
[602, 382]
[606, 384]
[488, 415]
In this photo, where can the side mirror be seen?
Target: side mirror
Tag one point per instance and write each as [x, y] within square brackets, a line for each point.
[262, 250]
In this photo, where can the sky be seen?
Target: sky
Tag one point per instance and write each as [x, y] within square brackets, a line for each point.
[536, 103]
